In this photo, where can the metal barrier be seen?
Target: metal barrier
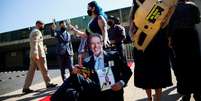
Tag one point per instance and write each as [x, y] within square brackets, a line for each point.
[128, 51]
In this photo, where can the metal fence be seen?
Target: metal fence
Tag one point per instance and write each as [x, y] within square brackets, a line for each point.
[128, 51]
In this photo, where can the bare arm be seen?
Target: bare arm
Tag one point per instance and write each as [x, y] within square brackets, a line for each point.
[103, 26]
[77, 32]
[131, 17]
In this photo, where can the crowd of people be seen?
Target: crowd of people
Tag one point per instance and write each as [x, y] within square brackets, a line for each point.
[102, 71]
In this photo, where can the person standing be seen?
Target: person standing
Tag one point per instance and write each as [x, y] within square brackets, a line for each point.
[185, 43]
[117, 34]
[152, 68]
[64, 49]
[97, 24]
[37, 58]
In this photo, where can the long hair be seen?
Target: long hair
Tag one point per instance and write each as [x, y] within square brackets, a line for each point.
[98, 9]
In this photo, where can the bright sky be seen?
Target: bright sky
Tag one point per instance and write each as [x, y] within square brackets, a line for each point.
[18, 14]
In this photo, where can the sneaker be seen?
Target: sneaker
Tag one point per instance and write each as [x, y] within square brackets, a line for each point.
[27, 90]
[51, 85]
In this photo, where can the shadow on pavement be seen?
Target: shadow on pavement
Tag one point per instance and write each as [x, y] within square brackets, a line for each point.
[10, 96]
[166, 95]
[33, 96]
[40, 93]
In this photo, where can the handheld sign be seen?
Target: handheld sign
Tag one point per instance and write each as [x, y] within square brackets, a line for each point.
[150, 17]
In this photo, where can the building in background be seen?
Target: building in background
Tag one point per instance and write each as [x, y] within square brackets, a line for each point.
[14, 45]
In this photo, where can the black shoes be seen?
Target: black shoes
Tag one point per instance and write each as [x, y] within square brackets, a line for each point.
[27, 90]
[51, 85]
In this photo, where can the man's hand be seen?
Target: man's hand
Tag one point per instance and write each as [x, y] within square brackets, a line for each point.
[117, 86]
[53, 27]
[35, 57]
[45, 48]
[71, 27]
[76, 69]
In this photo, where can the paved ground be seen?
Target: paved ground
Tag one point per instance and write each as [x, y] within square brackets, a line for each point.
[12, 91]
[11, 81]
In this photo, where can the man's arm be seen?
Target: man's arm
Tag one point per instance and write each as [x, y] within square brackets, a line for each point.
[125, 73]
[36, 38]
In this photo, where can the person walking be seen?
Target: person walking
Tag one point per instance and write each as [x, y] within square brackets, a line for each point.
[37, 58]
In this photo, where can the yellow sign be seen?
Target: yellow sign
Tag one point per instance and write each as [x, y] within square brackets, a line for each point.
[149, 18]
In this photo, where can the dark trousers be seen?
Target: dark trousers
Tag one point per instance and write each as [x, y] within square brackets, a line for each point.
[65, 61]
[172, 57]
[76, 88]
[84, 90]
